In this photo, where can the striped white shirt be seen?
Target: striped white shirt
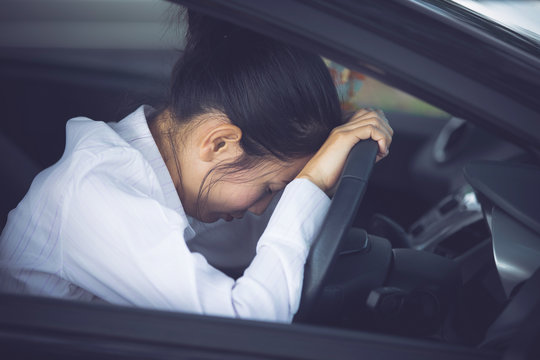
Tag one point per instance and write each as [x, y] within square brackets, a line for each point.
[106, 223]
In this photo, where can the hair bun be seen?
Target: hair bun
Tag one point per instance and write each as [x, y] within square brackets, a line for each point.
[206, 33]
[281, 97]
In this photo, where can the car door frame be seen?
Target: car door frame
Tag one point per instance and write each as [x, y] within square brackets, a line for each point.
[62, 329]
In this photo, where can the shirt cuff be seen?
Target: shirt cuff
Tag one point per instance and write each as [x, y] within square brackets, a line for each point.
[298, 216]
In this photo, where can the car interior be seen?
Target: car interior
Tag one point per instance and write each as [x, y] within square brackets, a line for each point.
[419, 260]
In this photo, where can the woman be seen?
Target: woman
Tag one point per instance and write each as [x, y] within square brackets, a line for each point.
[140, 212]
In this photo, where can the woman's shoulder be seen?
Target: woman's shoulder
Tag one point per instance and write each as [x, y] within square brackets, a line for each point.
[94, 151]
[87, 136]
[100, 162]
[95, 145]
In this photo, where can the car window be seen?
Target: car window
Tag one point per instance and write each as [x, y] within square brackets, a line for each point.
[357, 90]
[521, 15]
[508, 23]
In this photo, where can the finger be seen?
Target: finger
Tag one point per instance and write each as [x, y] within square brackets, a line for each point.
[370, 123]
[376, 122]
[383, 138]
[361, 113]
[369, 131]
[385, 121]
[387, 127]
[381, 120]
[366, 112]
[380, 157]
[373, 120]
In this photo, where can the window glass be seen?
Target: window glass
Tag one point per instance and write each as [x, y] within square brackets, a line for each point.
[522, 16]
[357, 90]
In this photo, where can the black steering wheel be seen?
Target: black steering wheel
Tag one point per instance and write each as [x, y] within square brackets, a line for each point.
[343, 208]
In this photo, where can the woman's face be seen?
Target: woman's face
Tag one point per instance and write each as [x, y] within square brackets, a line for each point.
[206, 192]
[250, 190]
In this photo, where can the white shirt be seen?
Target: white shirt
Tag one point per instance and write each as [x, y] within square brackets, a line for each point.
[106, 223]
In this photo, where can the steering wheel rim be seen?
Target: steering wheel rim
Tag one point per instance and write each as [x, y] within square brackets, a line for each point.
[343, 208]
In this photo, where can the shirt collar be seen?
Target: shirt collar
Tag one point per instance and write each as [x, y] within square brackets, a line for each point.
[134, 130]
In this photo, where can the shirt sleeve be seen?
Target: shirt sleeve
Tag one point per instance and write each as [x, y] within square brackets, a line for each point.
[125, 247]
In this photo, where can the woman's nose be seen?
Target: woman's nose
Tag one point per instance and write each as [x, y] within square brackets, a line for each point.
[261, 205]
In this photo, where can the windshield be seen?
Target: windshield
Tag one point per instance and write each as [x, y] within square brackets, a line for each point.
[518, 15]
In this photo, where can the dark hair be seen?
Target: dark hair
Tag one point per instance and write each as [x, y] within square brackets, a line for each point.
[281, 97]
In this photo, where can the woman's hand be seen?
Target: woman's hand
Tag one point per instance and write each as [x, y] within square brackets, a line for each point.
[326, 165]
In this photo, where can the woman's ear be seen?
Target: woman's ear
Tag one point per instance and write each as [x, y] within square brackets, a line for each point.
[220, 142]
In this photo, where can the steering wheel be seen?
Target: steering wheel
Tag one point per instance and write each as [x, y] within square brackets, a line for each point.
[343, 208]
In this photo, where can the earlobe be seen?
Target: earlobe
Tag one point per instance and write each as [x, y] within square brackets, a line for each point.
[220, 143]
